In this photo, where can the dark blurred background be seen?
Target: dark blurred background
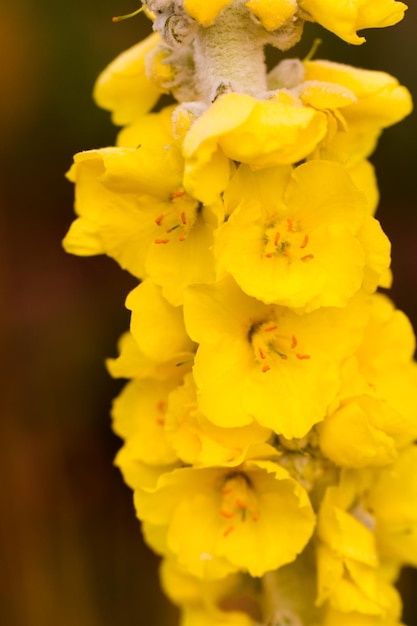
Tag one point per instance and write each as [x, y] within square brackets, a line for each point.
[70, 547]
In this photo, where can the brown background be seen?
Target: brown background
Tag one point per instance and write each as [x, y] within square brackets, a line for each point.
[70, 547]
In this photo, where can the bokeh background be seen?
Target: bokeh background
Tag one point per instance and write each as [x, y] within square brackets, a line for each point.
[71, 552]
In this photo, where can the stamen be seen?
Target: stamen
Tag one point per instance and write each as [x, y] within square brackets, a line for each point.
[160, 421]
[181, 237]
[255, 517]
[294, 342]
[183, 219]
[241, 504]
[160, 405]
[290, 224]
[302, 357]
[228, 531]
[227, 514]
[161, 241]
[159, 219]
[305, 241]
[269, 255]
[169, 230]
[269, 329]
[307, 257]
[261, 353]
[176, 194]
[265, 368]
[120, 18]
[277, 238]
[225, 492]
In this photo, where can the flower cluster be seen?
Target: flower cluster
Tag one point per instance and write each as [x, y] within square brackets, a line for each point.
[269, 418]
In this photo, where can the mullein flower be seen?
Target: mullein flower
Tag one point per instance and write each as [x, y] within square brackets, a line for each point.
[253, 358]
[233, 515]
[308, 247]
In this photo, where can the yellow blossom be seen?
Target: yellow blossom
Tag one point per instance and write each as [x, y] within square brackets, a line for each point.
[345, 18]
[124, 88]
[198, 441]
[221, 520]
[379, 101]
[393, 502]
[134, 363]
[253, 360]
[273, 13]
[310, 243]
[157, 326]
[132, 206]
[204, 602]
[376, 414]
[347, 557]
[262, 133]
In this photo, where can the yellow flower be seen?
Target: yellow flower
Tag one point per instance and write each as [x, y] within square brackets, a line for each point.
[157, 326]
[311, 243]
[253, 517]
[134, 363]
[262, 133]
[345, 18]
[198, 441]
[139, 417]
[204, 602]
[337, 618]
[132, 206]
[265, 362]
[378, 101]
[347, 558]
[273, 13]
[393, 502]
[205, 12]
[124, 88]
[376, 410]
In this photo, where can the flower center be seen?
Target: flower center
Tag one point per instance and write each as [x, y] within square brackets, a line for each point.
[287, 239]
[270, 343]
[239, 502]
[179, 219]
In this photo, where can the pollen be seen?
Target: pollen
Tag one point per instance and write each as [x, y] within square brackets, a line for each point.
[176, 194]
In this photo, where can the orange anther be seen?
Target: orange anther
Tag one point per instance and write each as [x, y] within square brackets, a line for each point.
[227, 491]
[277, 238]
[241, 504]
[161, 241]
[228, 531]
[183, 218]
[176, 194]
[160, 421]
[283, 357]
[294, 342]
[181, 237]
[161, 405]
[269, 329]
[268, 255]
[265, 368]
[305, 241]
[290, 224]
[307, 257]
[227, 514]
[159, 219]
[302, 357]
[261, 353]
[255, 517]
